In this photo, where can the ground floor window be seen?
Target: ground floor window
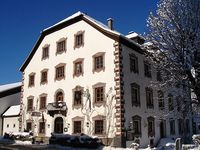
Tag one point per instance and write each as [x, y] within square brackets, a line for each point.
[136, 125]
[151, 126]
[77, 127]
[98, 127]
[42, 127]
[28, 126]
[172, 127]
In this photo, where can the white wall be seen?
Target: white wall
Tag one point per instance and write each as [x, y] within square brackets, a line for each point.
[94, 42]
[6, 102]
[10, 124]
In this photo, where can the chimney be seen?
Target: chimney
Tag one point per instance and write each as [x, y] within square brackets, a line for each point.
[110, 23]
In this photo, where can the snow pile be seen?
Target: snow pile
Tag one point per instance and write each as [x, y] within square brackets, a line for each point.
[21, 136]
[196, 138]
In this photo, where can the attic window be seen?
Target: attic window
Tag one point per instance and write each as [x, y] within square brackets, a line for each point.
[45, 52]
[79, 39]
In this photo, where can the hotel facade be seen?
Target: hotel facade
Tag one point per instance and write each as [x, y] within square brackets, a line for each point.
[83, 77]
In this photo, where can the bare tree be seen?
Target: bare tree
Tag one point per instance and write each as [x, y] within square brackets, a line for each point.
[174, 33]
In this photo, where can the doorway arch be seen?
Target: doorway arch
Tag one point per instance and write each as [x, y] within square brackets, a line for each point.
[58, 125]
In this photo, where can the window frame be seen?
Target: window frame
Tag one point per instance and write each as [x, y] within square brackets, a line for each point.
[60, 71]
[43, 79]
[170, 102]
[133, 62]
[61, 46]
[45, 52]
[79, 35]
[149, 98]
[137, 119]
[161, 101]
[102, 61]
[43, 104]
[42, 127]
[135, 90]
[147, 69]
[30, 104]
[172, 127]
[31, 82]
[151, 129]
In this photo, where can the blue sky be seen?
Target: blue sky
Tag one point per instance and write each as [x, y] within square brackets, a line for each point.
[22, 21]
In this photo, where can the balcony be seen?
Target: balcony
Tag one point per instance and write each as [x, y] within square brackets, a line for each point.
[59, 107]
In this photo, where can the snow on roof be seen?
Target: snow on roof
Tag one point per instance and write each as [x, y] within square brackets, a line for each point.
[12, 111]
[9, 86]
[133, 35]
[98, 23]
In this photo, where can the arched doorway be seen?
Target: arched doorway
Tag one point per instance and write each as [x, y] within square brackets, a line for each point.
[58, 125]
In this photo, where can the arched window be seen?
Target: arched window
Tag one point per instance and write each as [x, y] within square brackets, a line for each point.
[59, 96]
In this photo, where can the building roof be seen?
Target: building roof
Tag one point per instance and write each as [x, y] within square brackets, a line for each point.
[9, 89]
[91, 21]
[12, 111]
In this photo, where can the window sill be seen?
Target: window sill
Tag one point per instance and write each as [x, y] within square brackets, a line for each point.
[78, 74]
[98, 104]
[59, 78]
[99, 70]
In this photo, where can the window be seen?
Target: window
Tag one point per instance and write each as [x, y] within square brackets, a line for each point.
[30, 104]
[60, 72]
[44, 76]
[180, 126]
[28, 126]
[42, 127]
[61, 46]
[79, 39]
[135, 94]
[170, 102]
[159, 75]
[98, 127]
[59, 96]
[187, 126]
[43, 102]
[151, 126]
[147, 69]
[13, 125]
[161, 104]
[45, 52]
[77, 127]
[77, 97]
[136, 125]
[172, 127]
[178, 103]
[31, 80]
[78, 68]
[98, 62]
[133, 63]
[7, 125]
[99, 94]
[149, 97]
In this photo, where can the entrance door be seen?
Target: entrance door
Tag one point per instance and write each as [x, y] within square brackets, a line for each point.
[58, 125]
[162, 129]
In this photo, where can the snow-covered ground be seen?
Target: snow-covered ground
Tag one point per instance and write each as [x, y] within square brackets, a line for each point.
[164, 144]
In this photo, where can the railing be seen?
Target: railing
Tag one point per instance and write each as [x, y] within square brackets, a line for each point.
[59, 107]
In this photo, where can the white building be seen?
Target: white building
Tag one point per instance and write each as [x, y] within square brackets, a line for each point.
[9, 95]
[83, 77]
[11, 119]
